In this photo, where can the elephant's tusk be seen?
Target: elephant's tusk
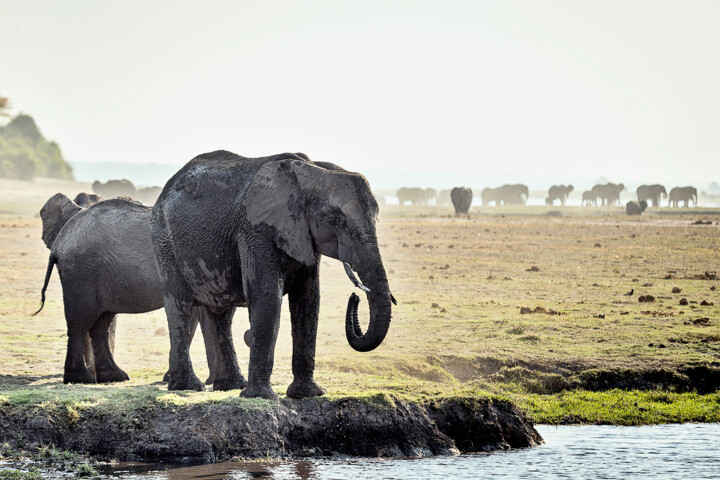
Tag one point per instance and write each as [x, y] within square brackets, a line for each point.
[353, 279]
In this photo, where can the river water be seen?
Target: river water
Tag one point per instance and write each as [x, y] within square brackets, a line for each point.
[688, 451]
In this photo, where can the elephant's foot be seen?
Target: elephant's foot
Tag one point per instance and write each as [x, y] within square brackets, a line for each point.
[166, 377]
[303, 388]
[254, 391]
[81, 375]
[230, 383]
[210, 380]
[112, 375]
[188, 381]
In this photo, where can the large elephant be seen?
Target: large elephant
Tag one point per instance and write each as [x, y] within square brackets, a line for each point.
[505, 195]
[461, 199]
[651, 193]
[106, 262]
[608, 193]
[558, 192]
[234, 231]
[682, 194]
[115, 188]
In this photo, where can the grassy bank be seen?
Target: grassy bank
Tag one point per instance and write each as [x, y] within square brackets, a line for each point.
[463, 285]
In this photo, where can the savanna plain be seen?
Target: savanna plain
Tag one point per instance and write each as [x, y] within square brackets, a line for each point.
[508, 303]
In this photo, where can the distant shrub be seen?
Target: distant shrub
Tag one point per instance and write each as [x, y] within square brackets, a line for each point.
[25, 153]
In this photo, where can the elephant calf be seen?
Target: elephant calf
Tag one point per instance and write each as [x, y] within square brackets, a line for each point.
[636, 208]
[105, 258]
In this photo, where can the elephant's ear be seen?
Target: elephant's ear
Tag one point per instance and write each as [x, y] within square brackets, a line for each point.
[54, 214]
[275, 202]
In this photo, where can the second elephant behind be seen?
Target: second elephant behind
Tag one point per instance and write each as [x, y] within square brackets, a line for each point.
[106, 263]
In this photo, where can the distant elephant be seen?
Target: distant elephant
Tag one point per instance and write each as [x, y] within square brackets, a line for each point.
[461, 198]
[233, 231]
[558, 192]
[505, 195]
[115, 188]
[107, 266]
[430, 196]
[636, 208]
[608, 193]
[651, 193]
[86, 199]
[682, 194]
[589, 198]
[416, 196]
[148, 195]
[443, 199]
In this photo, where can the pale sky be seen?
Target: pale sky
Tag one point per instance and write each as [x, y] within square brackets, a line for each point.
[629, 90]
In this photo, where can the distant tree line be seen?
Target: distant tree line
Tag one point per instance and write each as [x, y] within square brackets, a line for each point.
[25, 153]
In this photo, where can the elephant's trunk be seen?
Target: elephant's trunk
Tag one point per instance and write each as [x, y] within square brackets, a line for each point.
[380, 301]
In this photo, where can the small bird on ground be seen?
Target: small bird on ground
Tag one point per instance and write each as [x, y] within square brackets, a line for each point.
[629, 294]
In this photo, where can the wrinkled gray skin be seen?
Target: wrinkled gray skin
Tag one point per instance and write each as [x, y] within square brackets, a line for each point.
[461, 198]
[107, 266]
[516, 194]
[558, 192]
[234, 231]
[115, 188]
[608, 193]
[682, 194]
[651, 193]
[635, 208]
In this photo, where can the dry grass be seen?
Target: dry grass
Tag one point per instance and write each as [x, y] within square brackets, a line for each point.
[460, 284]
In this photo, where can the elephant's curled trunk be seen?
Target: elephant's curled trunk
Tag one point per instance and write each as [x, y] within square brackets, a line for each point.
[380, 300]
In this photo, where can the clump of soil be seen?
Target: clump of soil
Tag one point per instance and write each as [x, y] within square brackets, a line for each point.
[701, 222]
[527, 310]
[683, 301]
[705, 303]
[676, 290]
[646, 298]
[533, 269]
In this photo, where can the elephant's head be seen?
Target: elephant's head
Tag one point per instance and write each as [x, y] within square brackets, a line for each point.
[54, 214]
[311, 210]
[86, 199]
[663, 191]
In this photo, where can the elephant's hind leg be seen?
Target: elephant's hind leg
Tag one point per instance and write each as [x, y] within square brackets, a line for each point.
[227, 371]
[106, 370]
[304, 313]
[75, 370]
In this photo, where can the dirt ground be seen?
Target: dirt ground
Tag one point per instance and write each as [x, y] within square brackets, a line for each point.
[462, 285]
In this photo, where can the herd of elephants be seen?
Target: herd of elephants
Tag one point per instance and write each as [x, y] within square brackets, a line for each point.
[607, 194]
[228, 231]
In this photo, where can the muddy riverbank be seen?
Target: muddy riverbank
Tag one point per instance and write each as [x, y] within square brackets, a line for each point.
[308, 428]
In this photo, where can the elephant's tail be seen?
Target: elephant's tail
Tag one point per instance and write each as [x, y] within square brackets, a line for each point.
[51, 264]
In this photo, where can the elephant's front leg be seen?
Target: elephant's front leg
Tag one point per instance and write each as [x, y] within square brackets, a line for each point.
[304, 313]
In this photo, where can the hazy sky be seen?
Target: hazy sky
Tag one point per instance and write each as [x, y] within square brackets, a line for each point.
[625, 89]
